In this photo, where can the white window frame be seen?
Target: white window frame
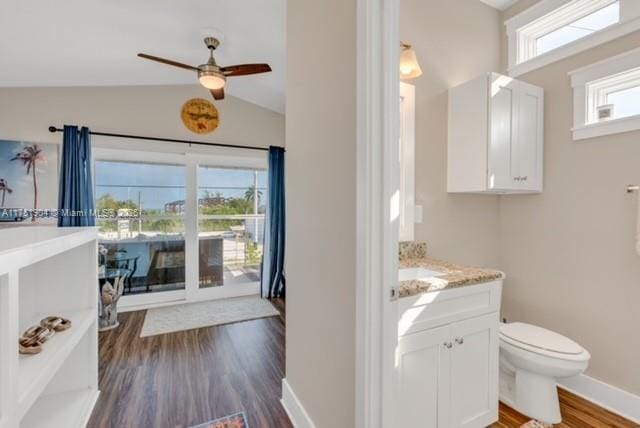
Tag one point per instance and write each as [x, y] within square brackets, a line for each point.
[591, 86]
[524, 29]
[190, 157]
[407, 161]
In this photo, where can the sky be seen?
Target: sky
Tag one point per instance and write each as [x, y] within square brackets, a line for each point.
[582, 27]
[159, 184]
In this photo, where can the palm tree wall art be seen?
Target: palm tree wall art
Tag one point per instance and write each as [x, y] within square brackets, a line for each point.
[4, 188]
[30, 157]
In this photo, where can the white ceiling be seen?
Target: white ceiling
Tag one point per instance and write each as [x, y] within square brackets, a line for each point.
[95, 42]
[499, 4]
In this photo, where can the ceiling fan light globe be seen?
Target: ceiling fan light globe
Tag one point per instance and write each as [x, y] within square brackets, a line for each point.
[211, 81]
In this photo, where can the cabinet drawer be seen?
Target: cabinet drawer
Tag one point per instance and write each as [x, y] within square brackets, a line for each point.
[428, 310]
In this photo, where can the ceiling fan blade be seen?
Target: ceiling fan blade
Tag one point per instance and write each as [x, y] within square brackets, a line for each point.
[245, 69]
[168, 62]
[218, 94]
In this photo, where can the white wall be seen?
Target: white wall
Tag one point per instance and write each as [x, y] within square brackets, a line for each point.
[455, 40]
[26, 113]
[321, 208]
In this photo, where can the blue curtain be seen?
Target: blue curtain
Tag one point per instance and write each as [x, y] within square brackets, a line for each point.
[273, 276]
[76, 206]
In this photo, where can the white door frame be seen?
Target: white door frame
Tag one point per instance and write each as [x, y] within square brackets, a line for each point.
[378, 172]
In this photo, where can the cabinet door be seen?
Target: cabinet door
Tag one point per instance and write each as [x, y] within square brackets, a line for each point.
[526, 156]
[502, 102]
[423, 384]
[474, 372]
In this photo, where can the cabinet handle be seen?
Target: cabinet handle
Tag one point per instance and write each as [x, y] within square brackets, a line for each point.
[524, 178]
[459, 340]
[447, 345]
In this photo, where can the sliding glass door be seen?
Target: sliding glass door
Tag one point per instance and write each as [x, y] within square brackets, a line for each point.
[180, 226]
[141, 232]
[230, 225]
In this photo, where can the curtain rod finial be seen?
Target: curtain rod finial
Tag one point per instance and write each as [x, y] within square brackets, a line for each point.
[52, 129]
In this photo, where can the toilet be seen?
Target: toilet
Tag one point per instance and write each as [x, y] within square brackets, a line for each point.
[532, 359]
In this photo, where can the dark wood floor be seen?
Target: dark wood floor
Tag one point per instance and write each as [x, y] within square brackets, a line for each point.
[191, 377]
[576, 413]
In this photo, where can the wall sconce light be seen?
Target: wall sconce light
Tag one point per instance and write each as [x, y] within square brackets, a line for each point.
[409, 67]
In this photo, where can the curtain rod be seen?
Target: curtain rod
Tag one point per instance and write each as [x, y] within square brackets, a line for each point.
[168, 140]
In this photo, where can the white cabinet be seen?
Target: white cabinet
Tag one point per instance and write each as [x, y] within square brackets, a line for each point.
[495, 136]
[474, 371]
[447, 375]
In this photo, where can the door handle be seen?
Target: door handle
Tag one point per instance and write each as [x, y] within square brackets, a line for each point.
[459, 340]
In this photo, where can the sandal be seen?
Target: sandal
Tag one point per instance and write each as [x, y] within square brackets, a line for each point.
[39, 333]
[55, 323]
[29, 346]
[31, 341]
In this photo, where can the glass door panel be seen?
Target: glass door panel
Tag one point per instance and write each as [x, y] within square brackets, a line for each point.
[141, 208]
[231, 207]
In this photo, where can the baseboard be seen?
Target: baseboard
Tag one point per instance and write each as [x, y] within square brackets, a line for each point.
[604, 395]
[298, 415]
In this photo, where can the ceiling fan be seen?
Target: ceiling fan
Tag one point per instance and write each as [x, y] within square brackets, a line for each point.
[210, 74]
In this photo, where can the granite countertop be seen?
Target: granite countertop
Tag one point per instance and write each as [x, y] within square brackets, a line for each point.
[454, 275]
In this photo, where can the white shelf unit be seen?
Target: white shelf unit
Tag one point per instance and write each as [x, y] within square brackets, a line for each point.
[48, 271]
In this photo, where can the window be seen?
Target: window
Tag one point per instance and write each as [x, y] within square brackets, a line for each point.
[578, 29]
[231, 209]
[607, 96]
[141, 236]
[626, 102]
[180, 224]
[555, 29]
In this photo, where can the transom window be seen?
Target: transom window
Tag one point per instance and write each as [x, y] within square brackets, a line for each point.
[566, 24]
[551, 30]
[579, 28]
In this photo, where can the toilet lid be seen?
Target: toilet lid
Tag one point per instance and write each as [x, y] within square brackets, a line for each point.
[541, 338]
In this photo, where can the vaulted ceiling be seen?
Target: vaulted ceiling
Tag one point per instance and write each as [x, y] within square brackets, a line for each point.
[95, 42]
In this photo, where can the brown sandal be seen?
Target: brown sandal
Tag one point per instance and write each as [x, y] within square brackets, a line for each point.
[31, 341]
[39, 333]
[55, 323]
[29, 346]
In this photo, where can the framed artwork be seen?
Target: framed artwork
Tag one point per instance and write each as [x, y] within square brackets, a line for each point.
[28, 181]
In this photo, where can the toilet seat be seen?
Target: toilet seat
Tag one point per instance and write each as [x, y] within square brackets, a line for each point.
[542, 341]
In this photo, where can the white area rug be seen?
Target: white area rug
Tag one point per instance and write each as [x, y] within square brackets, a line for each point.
[188, 316]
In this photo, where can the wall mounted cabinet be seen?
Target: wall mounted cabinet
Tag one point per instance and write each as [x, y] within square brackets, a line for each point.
[496, 136]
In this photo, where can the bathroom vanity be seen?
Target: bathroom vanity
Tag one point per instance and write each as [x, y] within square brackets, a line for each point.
[448, 344]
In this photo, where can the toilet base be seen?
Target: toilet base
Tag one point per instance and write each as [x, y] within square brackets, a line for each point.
[530, 394]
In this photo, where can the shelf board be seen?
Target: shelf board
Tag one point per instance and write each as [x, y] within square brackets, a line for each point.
[24, 246]
[36, 371]
[66, 409]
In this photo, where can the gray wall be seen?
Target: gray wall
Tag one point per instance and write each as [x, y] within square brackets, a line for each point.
[569, 253]
[321, 195]
[455, 40]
